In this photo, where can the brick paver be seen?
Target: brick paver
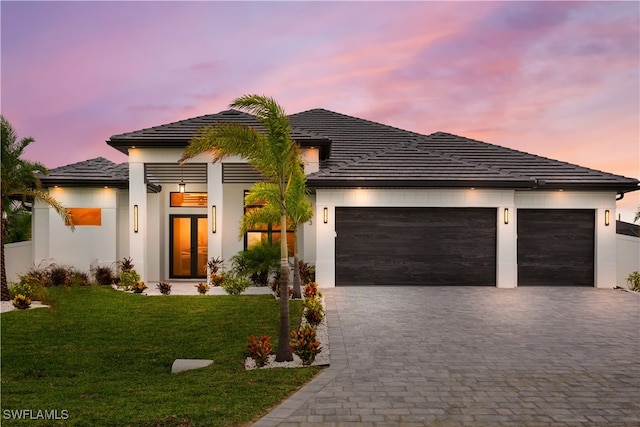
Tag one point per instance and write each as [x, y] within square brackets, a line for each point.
[465, 356]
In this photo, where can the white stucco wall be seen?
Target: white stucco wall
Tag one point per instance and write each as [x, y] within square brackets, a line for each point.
[605, 250]
[87, 245]
[628, 257]
[18, 258]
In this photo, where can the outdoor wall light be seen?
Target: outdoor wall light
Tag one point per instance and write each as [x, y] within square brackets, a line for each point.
[506, 215]
[135, 218]
[607, 217]
[325, 215]
[213, 218]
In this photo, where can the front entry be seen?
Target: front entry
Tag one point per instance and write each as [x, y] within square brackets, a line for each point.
[188, 240]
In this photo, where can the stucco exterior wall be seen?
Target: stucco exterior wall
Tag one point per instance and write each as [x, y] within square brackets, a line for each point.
[605, 241]
[87, 245]
[628, 257]
[18, 258]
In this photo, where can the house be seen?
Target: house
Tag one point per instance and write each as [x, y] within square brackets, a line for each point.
[392, 207]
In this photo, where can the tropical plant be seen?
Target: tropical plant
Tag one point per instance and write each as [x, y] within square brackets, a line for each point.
[126, 264]
[215, 265]
[19, 185]
[234, 284]
[311, 290]
[307, 272]
[138, 287]
[103, 275]
[21, 302]
[128, 276]
[258, 262]
[313, 311]
[18, 224]
[259, 349]
[21, 288]
[633, 281]
[299, 210]
[164, 288]
[276, 156]
[202, 288]
[305, 345]
[60, 275]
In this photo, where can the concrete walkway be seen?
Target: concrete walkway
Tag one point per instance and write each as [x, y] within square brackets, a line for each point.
[466, 356]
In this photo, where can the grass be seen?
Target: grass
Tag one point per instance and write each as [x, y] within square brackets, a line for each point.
[105, 357]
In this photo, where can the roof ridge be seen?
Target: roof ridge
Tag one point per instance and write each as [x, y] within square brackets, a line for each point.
[370, 122]
[229, 111]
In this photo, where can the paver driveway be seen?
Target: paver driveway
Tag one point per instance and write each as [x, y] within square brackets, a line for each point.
[475, 356]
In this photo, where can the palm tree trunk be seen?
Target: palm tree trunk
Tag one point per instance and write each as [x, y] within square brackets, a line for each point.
[283, 353]
[4, 285]
[297, 286]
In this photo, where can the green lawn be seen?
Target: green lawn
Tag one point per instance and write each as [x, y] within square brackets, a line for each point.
[105, 357]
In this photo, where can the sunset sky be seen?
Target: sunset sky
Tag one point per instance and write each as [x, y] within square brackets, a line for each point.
[558, 79]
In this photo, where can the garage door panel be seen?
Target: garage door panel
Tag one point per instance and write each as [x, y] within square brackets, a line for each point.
[556, 247]
[415, 246]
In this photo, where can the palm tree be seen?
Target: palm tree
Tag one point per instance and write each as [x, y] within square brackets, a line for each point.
[299, 211]
[19, 185]
[276, 156]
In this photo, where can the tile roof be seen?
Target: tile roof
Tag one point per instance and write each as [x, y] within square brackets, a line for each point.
[357, 152]
[178, 134]
[89, 173]
[365, 153]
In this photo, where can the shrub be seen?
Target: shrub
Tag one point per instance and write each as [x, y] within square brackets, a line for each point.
[36, 277]
[164, 288]
[128, 278]
[138, 287]
[313, 311]
[80, 278]
[258, 262]
[305, 345]
[259, 349]
[202, 288]
[126, 264]
[31, 285]
[633, 281]
[234, 285]
[215, 268]
[21, 288]
[307, 272]
[103, 275]
[311, 290]
[21, 302]
[59, 275]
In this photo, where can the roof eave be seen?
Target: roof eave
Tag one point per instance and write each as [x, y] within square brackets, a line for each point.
[71, 182]
[431, 184]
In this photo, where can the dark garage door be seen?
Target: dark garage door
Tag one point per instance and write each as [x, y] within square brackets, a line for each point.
[556, 247]
[415, 246]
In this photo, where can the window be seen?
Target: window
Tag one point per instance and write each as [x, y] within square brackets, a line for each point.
[265, 233]
[188, 200]
[85, 216]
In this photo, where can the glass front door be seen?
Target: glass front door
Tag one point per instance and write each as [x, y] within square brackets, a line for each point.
[188, 255]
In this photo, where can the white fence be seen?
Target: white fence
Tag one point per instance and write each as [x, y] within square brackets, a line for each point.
[19, 259]
[627, 256]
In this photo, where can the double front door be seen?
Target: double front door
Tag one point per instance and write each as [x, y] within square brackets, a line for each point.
[188, 240]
